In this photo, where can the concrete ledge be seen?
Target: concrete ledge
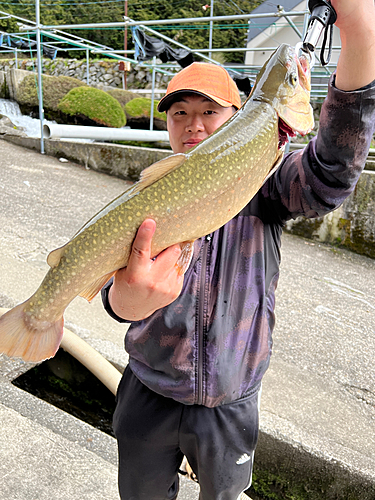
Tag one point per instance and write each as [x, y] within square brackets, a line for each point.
[59, 422]
[125, 162]
[319, 431]
[296, 470]
[37, 462]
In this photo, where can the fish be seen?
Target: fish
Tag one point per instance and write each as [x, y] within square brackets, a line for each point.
[189, 195]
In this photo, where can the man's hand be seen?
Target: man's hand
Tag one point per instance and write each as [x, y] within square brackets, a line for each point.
[356, 65]
[145, 285]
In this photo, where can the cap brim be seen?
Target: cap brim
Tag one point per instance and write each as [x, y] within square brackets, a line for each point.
[166, 102]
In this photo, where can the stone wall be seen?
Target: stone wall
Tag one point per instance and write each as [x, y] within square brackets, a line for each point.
[101, 73]
[352, 225]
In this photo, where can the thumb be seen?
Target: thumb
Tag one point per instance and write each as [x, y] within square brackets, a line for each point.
[141, 249]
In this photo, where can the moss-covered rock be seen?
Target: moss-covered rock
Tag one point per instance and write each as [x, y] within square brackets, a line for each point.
[138, 114]
[54, 89]
[93, 106]
[4, 92]
[122, 96]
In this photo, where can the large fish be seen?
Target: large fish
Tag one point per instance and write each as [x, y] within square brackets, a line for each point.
[188, 195]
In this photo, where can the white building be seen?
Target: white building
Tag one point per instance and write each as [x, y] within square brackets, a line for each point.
[269, 32]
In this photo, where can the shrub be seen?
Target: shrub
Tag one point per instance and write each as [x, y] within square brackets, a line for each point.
[94, 104]
[54, 89]
[141, 107]
[122, 96]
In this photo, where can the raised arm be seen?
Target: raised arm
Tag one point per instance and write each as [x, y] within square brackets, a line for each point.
[356, 21]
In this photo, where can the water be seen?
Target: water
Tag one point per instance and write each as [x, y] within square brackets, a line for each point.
[31, 126]
[63, 382]
[11, 109]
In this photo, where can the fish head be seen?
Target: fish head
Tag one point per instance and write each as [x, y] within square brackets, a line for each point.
[285, 83]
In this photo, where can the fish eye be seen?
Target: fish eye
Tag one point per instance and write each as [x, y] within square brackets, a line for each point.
[293, 79]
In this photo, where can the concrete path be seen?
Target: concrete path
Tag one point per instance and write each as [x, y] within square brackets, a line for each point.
[318, 401]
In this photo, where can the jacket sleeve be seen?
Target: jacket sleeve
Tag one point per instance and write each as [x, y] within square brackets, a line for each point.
[317, 179]
[107, 305]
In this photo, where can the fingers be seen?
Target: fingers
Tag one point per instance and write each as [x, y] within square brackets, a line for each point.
[167, 259]
[141, 249]
[146, 285]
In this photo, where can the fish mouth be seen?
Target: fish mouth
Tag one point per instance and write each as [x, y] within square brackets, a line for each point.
[295, 112]
[304, 72]
[285, 132]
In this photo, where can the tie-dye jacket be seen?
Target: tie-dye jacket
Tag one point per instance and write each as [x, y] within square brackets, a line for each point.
[213, 344]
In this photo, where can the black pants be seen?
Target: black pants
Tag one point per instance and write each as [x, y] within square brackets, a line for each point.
[154, 433]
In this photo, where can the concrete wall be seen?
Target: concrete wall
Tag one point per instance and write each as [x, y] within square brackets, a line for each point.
[13, 79]
[352, 225]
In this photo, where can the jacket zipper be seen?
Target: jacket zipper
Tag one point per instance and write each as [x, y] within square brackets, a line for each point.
[201, 307]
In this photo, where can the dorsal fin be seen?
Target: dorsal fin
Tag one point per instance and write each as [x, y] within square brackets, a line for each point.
[148, 176]
[54, 257]
[158, 170]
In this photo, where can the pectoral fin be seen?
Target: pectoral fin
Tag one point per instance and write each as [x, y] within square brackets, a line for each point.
[89, 292]
[183, 262]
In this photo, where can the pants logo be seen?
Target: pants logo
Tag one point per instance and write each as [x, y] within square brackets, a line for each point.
[243, 459]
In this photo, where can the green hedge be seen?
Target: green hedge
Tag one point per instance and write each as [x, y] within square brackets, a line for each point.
[54, 89]
[141, 107]
[94, 104]
[122, 96]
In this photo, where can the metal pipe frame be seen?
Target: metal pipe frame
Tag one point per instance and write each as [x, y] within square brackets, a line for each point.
[40, 78]
[144, 24]
[55, 32]
[131, 22]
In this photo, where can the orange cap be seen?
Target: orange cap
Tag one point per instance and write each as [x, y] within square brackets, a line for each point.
[205, 79]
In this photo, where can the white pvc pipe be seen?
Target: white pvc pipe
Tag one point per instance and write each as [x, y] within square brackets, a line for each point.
[92, 359]
[89, 357]
[55, 131]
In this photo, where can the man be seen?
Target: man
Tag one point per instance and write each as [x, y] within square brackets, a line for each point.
[199, 344]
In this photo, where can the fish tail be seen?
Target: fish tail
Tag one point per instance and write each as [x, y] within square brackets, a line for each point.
[27, 337]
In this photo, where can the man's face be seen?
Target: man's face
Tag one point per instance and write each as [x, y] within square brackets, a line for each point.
[192, 119]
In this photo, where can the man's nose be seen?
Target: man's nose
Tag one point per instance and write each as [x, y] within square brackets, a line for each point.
[195, 124]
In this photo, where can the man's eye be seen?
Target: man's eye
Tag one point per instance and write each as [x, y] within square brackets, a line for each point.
[209, 112]
[180, 113]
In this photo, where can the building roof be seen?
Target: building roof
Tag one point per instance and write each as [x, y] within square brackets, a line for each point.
[256, 26]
